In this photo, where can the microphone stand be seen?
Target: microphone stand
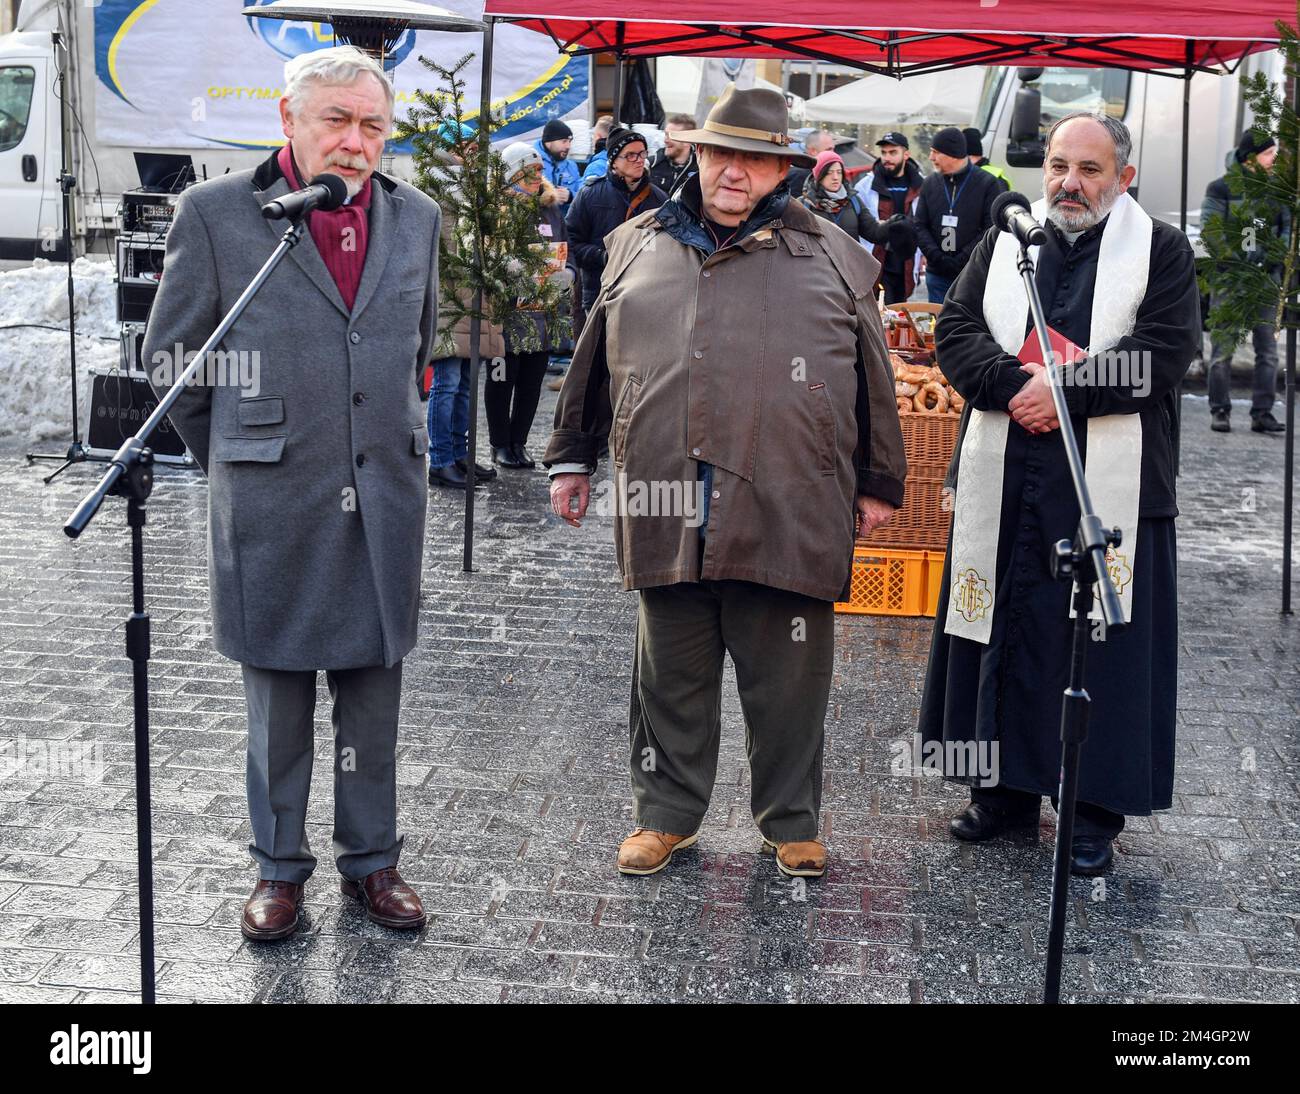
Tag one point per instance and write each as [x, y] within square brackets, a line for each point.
[1082, 562]
[77, 451]
[130, 476]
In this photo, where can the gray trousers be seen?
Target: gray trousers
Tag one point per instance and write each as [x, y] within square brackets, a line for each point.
[1264, 386]
[783, 647]
[281, 706]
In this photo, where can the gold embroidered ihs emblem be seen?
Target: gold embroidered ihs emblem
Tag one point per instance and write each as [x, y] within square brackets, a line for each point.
[971, 596]
[1118, 568]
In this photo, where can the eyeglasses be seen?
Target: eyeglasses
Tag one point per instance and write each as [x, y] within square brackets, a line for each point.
[632, 157]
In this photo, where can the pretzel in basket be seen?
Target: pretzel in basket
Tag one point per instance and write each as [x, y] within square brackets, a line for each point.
[931, 399]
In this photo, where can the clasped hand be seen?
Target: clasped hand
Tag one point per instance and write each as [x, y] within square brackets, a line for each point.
[1032, 407]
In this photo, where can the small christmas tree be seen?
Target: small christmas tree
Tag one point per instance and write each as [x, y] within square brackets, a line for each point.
[1252, 268]
[496, 253]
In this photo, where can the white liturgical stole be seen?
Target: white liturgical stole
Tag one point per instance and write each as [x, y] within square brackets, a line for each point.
[1114, 442]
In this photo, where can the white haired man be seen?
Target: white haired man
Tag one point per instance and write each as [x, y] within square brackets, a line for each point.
[317, 488]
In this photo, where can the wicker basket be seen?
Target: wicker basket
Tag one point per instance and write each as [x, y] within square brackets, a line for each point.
[929, 438]
[925, 519]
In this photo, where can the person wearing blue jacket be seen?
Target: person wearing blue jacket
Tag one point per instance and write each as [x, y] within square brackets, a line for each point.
[598, 166]
[560, 171]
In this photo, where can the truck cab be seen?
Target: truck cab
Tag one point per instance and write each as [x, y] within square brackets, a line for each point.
[1018, 106]
[31, 223]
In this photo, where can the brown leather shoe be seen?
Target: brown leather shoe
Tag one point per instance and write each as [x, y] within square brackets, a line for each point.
[800, 858]
[646, 851]
[273, 911]
[387, 899]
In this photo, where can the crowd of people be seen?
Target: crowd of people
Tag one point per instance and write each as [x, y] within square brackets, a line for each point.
[922, 229]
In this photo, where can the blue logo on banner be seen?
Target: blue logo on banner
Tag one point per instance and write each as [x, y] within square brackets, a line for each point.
[290, 38]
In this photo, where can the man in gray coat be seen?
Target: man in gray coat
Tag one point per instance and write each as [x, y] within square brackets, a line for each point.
[310, 426]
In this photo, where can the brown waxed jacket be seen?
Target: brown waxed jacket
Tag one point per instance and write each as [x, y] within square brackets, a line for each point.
[767, 360]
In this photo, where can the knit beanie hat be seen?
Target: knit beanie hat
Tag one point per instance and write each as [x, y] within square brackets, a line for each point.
[951, 142]
[824, 160]
[518, 157]
[555, 130]
[619, 139]
[1251, 145]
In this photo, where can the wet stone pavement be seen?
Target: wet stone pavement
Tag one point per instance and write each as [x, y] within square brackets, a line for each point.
[514, 795]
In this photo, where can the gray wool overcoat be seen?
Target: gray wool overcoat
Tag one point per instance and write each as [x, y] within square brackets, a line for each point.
[311, 424]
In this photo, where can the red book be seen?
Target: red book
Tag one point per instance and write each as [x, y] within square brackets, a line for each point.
[1064, 350]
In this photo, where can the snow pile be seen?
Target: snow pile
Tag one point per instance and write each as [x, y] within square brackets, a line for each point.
[35, 380]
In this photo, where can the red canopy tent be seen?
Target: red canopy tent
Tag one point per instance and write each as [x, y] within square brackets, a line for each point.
[943, 34]
[1159, 36]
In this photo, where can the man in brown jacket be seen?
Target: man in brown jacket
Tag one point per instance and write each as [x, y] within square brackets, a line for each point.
[754, 431]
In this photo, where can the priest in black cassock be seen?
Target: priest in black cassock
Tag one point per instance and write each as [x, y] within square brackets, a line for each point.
[1120, 289]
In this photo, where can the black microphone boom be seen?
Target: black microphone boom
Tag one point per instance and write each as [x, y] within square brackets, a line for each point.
[323, 192]
[1011, 214]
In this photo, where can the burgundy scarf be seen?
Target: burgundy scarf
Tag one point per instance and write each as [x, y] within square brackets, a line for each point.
[344, 252]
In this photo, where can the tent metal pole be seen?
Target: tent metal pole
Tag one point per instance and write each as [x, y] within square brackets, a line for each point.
[484, 149]
[1288, 476]
[1187, 110]
[618, 88]
[618, 74]
[1188, 56]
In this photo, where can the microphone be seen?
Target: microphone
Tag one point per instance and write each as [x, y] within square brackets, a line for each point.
[323, 192]
[1011, 214]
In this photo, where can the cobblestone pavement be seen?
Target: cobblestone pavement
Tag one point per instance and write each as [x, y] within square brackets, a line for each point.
[514, 793]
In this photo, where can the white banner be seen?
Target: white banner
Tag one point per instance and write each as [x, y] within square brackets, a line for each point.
[198, 74]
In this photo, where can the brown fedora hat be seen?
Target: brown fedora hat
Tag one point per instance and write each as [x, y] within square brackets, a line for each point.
[755, 120]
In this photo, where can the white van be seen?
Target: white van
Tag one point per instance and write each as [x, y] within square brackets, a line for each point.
[31, 217]
[1018, 105]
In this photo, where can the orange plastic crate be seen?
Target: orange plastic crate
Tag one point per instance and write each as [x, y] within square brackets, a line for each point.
[933, 581]
[886, 582]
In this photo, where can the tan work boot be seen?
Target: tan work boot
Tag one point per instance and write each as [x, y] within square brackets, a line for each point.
[801, 858]
[647, 852]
